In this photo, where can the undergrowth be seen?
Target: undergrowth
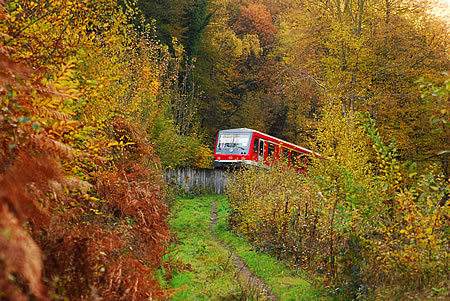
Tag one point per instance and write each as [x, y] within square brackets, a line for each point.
[362, 219]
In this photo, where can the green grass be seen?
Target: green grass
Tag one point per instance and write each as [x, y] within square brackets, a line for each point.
[285, 283]
[212, 275]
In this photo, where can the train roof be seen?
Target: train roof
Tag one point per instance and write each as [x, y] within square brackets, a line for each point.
[267, 135]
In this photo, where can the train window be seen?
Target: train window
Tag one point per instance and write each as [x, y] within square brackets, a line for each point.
[285, 154]
[270, 149]
[234, 140]
[294, 158]
[261, 148]
[255, 145]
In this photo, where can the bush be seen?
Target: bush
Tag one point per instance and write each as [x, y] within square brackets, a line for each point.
[353, 217]
[81, 203]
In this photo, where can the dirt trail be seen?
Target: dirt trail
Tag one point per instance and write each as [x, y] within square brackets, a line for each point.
[245, 275]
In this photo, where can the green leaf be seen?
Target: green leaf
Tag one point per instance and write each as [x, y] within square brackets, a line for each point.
[36, 126]
[23, 119]
[435, 120]
[7, 233]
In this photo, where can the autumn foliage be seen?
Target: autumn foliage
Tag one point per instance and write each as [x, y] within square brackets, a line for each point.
[365, 222]
[82, 213]
[93, 106]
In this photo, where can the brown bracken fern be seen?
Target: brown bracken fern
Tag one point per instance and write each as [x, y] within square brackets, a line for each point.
[81, 212]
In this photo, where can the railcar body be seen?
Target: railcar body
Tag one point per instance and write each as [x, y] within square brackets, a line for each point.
[236, 147]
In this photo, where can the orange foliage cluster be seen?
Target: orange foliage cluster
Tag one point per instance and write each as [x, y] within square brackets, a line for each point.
[256, 19]
[97, 234]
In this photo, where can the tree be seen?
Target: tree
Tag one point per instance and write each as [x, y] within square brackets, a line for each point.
[255, 19]
[196, 17]
[167, 16]
[368, 55]
[236, 70]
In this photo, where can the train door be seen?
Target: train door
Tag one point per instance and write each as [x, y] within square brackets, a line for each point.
[261, 152]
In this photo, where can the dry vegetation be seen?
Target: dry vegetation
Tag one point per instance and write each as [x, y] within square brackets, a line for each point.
[81, 198]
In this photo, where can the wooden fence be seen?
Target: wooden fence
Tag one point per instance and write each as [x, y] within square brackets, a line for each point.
[202, 179]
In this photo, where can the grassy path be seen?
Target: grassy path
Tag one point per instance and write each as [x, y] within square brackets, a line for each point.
[245, 274]
[217, 260]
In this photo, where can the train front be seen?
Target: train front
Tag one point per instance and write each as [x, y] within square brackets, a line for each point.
[232, 148]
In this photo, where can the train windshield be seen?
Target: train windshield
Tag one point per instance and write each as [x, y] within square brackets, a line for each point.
[232, 142]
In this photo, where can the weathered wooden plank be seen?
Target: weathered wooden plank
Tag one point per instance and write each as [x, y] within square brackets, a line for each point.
[212, 180]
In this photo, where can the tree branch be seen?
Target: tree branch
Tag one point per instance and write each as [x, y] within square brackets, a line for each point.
[306, 75]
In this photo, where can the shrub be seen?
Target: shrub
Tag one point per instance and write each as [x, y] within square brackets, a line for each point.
[81, 211]
[352, 217]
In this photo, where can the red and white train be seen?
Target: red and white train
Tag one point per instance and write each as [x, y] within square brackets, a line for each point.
[236, 147]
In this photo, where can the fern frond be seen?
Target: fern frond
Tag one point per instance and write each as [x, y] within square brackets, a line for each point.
[53, 114]
[53, 147]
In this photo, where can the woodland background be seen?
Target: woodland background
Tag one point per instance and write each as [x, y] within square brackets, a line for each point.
[98, 96]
